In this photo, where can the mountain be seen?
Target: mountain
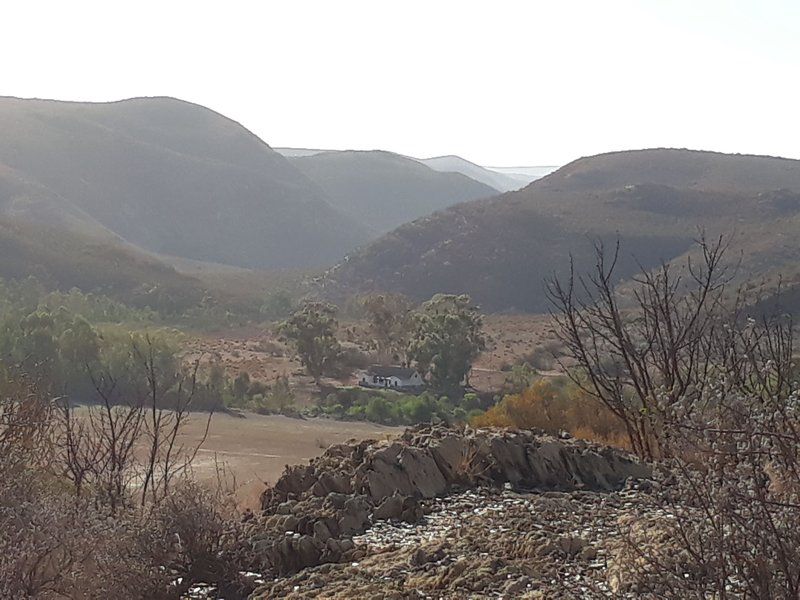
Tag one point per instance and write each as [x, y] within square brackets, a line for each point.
[61, 258]
[522, 175]
[167, 176]
[456, 164]
[385, 190]
[500, 250]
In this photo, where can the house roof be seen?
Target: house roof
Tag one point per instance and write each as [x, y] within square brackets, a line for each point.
[391, 371]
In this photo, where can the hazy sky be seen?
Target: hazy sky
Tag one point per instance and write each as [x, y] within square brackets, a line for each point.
[500, 83]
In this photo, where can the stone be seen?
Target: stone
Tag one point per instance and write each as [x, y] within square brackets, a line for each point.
[390, 508]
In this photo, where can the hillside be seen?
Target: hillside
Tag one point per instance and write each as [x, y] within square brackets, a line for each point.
[385, 190]
[166, 175]
[63, 259]
[456, 164]
[500, 250]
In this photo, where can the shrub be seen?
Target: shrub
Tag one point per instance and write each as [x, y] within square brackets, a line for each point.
[62, 536]
[519, 379]
[553, 407]
[377, 410]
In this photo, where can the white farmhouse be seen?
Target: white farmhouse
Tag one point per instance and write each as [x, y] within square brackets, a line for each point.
[391, 377]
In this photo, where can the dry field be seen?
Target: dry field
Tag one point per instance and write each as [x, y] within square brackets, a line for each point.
[256, 449]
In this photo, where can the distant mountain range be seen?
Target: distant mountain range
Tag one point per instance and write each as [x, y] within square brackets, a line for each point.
[501, 179]
[383, 190]
[456, 164]
[523, 175]
[500, 250]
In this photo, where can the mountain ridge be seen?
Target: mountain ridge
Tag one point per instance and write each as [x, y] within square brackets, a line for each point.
[501, 249]
[177, 178]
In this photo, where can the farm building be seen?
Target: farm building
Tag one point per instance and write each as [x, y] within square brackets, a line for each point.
[392, 377]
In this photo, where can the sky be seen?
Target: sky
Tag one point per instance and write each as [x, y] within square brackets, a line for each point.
[501, 83]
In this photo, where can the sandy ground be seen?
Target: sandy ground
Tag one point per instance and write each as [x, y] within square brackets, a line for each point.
[256, 449]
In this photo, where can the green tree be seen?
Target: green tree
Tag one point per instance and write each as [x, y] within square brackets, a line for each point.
[36, 347]
[281, 394]
[79, 352]
[377, 410]
[241, 384]
[390, 323]
[447, 338]
[312, 331]
[79, 344]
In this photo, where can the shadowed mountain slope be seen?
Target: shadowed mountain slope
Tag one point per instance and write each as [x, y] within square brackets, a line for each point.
[169, 176]
[501, 250]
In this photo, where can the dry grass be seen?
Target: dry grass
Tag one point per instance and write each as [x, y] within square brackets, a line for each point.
[256, 449]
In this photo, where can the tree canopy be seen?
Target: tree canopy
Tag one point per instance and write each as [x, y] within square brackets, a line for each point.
[446, 340]
[312, 330]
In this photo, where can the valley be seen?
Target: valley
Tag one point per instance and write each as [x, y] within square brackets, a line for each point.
[398, 354]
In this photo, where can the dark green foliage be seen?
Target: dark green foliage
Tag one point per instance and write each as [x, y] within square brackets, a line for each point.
[390, 323]
[312, 330]
[389, 407]
[241, 385]
[446, 340]
[78, 356]
[258, 396]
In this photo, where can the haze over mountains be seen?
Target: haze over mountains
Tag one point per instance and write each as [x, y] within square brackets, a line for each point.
[456, 164]
[113, 196]
[150, 178]
[501, 250]
[383, 190]
[501, 179]
[171, 177]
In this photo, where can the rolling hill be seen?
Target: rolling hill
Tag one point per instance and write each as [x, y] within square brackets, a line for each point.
[385, 190]
[167, 176]
[501, 250]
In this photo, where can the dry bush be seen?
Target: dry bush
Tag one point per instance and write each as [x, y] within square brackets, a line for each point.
[99, 449]
[52, 546]
[724, 523]
[472, 466]
[640, 362]
[545, 357]
[713, 395]
[62, 537]
[553, 409]
[201, 539]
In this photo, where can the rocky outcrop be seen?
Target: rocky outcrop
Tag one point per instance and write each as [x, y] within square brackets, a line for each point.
[490, 543]
[311, 514]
